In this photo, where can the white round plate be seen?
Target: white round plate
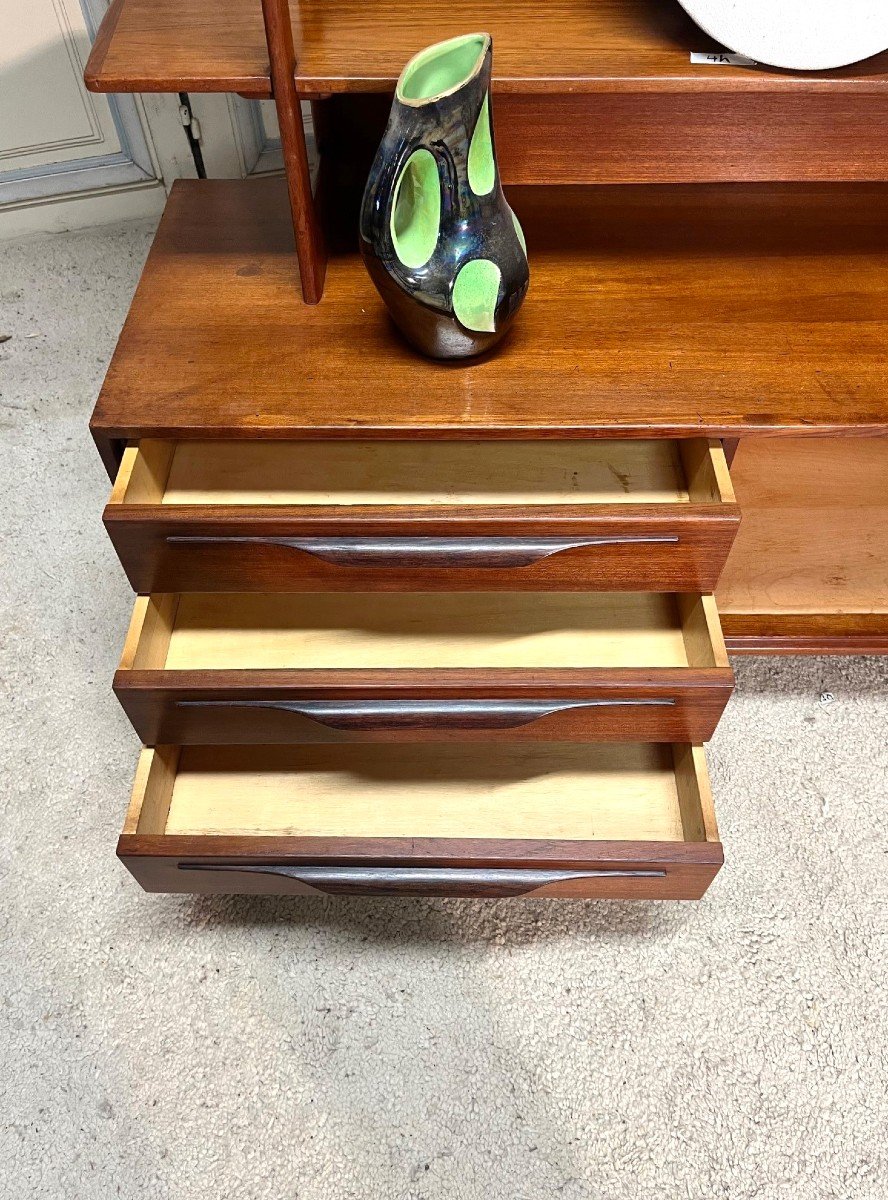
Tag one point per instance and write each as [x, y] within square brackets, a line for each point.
[804, 35]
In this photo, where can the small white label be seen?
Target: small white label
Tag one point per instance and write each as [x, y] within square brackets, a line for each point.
[722, 59]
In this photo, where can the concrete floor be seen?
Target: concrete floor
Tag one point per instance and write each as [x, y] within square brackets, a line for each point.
[175, 1048]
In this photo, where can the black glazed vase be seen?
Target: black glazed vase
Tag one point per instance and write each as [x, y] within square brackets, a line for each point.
[441, 243]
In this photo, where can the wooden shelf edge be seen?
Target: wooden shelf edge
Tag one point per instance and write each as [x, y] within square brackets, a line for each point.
[133, 56]
[106, 435]
[805, 633]
[92, 73]
[310, 87]
[258, 86]
[99, 78]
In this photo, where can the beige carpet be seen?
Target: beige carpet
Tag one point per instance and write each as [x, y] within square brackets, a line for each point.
[176, 1049]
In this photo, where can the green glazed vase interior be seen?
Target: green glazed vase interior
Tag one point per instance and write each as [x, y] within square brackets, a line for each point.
[439, 70]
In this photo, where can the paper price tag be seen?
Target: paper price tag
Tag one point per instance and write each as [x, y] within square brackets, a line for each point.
[719, 58]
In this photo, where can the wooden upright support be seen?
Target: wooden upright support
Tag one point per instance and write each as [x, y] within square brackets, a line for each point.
[310, 248]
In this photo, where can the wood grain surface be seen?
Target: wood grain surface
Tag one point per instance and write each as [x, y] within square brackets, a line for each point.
[548, 792]
[468, 630]
[806, 633]
[422, 474]
[809, 572]
[814, 535]
[652, 312]
[307, 231]
[350, 45]
[233, 516]
[619, 808]
[640, 136]
[214, 668]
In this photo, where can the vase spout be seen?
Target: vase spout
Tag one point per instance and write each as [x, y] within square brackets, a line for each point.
[442, 69]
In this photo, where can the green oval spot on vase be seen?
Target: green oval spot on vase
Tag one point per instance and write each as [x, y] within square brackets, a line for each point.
[520, 232]
[482, 168]
[475, 293]
[416, 211]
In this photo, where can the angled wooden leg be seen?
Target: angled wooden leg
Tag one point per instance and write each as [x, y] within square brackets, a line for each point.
[310, 248]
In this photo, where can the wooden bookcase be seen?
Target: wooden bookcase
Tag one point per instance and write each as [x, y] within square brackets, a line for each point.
[709, 277]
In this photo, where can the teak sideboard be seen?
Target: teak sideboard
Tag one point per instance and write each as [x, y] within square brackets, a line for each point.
[406, 627]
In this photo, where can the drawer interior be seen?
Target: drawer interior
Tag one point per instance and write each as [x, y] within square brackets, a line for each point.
[373, 630]
[619, 792]
[424, 473]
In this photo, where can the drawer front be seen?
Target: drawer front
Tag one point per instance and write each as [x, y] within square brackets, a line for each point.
[632, 820]
[200, 668]
[363, 515]
[684, 706]
[639, 551]
[209, 875]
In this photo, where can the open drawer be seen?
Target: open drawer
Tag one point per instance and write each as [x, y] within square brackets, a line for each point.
[226, 667]
[328, 515]
[617, 821]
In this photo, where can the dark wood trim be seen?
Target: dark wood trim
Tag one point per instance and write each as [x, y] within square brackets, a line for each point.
[805, 633]
[248, 707]
[598, 425]
[476, 882]
[434, 683]
[306, 225]
[674, 870]
[573, 520]
[433, 852]
[141, 535]
[475, 551]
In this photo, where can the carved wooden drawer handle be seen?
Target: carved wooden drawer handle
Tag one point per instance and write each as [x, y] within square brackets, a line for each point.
[467, 552]
[416, 714]
[469, 881]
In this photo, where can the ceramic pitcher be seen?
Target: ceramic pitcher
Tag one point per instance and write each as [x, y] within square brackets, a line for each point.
[439, 239]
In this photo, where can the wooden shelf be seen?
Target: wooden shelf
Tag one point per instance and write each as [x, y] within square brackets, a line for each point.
[569, 46]
[618, 68]
[653, 311]
[808, 572]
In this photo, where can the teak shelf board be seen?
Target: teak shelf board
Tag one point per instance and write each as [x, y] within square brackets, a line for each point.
[806, 633]
[653, 311]
[808, 571]
[352, 46]
[167, 46]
